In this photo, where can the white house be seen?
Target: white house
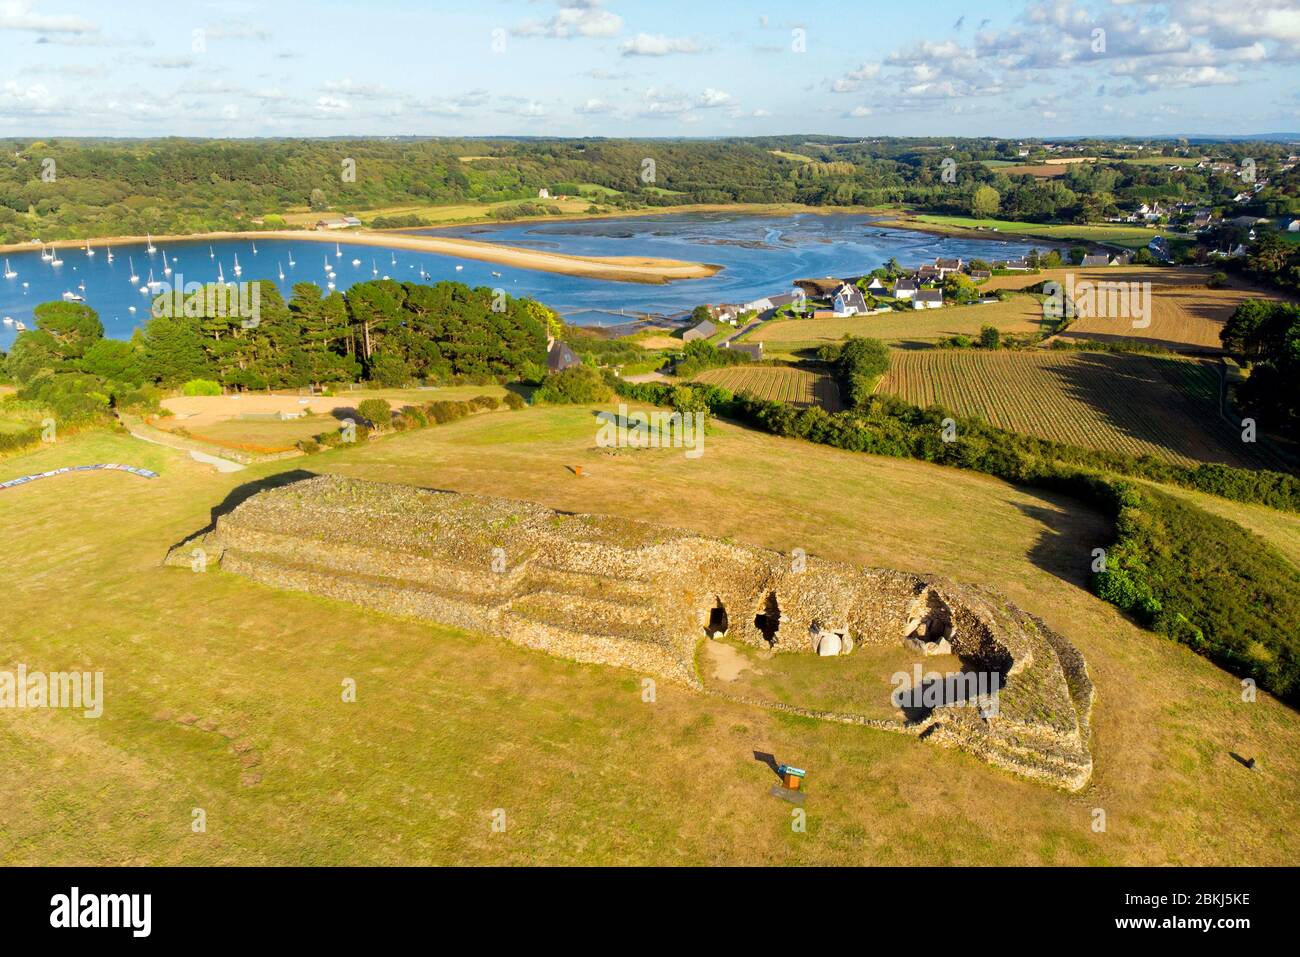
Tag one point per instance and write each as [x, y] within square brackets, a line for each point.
[543, 193]
[928, 299]
[905, 289]
[849, 301]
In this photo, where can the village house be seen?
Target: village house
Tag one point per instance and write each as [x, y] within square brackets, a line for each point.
[1012, 265]
[559, 356]
[849, 301]
[928, 299]
[704, 330]
[928, 273]
[905, 288]
[543, 193]
[877, 285]
[980, 275]
[946, 266]
[1098, 259]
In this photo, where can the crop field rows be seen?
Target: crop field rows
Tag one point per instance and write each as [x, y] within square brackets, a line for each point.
[1167, 407]
[799, 387]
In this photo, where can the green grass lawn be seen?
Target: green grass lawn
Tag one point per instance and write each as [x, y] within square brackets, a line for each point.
[225, 695]
[1133, 237]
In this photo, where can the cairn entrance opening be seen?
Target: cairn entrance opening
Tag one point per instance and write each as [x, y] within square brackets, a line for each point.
[768, 620]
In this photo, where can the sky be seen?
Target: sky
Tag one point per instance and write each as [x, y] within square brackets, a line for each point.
[649, 67]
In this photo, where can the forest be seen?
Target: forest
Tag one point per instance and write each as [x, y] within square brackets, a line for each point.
[84, 188]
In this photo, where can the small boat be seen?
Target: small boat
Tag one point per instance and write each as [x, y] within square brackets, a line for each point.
[385, 276]
[254, 249]
[281, 268]
[459, 268]
[337, 251]
[46, 255]
[26, 284]
[239, 271]
[394, 255]
[20, 326]
[73, 297]
[356, 262]
[150, 248]
[153, 283]
[56, 261]
[211, 253]
[130, 308]
[144, 290]
[329, 285]
[89, 251]
[374, 270]
[9, 320]
[221, 277]
[134, 278]
[9, 273]
[167, 270]
[497, 274]
[291, 262]
[110, 253]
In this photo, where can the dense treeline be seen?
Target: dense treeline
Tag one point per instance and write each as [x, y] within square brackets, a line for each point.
[1240, 609]
[1266, 334]
[72, 188]
[383, 331]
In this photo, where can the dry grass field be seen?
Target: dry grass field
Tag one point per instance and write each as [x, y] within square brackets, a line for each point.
[799, 387]
[1187, 315]
[1112, 402]
[224, 695]
[1020, 314]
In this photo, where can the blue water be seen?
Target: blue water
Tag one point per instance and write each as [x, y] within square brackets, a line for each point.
[761, 255]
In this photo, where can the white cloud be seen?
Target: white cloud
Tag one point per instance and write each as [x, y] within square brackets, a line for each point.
[593, 107]
[20, 15]
[711, 99]
[575, 18]
[645, 44]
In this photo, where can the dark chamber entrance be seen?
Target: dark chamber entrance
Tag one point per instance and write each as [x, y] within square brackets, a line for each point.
[768, 621]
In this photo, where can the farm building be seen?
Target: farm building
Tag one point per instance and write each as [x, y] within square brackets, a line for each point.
[752, 349]
[928, 299]
[1099, 259]
[980, 275]
[703, 331]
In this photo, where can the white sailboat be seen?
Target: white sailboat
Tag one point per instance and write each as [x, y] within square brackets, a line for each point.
[110, 253]
[73, 297]
[153, 283]
[134, 278]
[9, 273]
[46, 255]
[221, 277]
[56, 261]
[239, 270]
[337, 251]
[356, 262]
[254, 249]
[291, 262]
[150, 248]
[374, 270]
[394, 255]
[20, 326]
[211, 253]
[329, 285]
[9, 320]
[459, 268]
[89, 251]
[281, 268]
[167, 270]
